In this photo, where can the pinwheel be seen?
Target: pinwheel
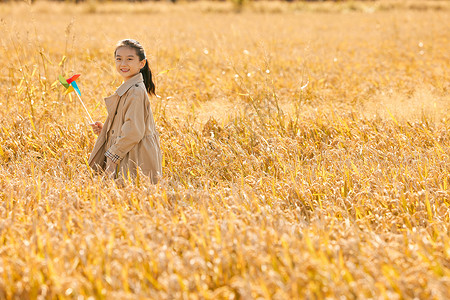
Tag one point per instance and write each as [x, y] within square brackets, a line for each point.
[71, 85]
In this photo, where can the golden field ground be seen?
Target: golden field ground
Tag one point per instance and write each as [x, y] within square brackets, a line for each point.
[306, 153]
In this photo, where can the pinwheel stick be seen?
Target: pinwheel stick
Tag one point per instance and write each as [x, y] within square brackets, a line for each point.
[90, 118]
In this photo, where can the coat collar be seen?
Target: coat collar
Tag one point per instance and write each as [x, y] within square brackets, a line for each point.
[112, 101]
[129, 83]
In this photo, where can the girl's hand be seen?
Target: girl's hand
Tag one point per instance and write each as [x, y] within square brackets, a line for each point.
[97, 127]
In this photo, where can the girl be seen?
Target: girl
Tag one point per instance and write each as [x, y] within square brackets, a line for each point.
[128, 140]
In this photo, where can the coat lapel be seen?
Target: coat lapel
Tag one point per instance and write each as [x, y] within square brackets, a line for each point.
[112, 102]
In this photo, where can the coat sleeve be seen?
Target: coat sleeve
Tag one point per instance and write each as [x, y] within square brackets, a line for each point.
[133, 127]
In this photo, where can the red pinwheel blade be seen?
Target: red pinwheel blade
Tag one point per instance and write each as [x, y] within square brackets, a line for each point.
[73, 78]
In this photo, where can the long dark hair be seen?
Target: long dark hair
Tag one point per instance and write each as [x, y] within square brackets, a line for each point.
[145, 71]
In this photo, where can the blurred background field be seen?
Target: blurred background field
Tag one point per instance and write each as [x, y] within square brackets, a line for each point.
[306, 152]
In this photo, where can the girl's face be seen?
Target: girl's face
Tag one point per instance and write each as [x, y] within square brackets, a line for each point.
[127, 62]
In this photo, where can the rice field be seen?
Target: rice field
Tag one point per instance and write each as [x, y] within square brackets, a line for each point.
[306, 152]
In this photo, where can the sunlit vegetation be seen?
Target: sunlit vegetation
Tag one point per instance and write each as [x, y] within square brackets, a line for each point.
[306, 154]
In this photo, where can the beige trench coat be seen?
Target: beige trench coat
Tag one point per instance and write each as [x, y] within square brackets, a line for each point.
[129, 132]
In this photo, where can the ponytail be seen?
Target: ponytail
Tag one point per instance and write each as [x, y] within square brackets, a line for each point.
[148, 81]
[145, 71]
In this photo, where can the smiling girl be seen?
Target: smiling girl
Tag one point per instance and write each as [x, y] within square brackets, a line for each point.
[128, 141]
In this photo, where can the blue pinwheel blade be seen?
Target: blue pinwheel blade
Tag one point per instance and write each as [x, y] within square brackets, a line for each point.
[75, 87]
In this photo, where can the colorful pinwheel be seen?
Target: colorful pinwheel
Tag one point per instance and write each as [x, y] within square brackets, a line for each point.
[71, 85]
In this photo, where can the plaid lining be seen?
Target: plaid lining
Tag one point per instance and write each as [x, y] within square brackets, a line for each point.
[114, 157]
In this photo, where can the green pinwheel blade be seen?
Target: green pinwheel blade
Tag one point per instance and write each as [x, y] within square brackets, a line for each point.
[63, 82]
